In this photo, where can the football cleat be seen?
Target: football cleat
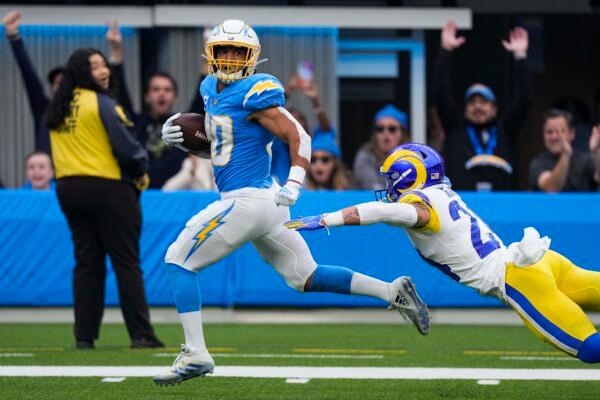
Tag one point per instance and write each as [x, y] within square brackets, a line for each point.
[188, 364]
[408, 303]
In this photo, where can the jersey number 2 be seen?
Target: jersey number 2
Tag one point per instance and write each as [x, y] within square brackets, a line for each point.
[482, 249]
[220, 130]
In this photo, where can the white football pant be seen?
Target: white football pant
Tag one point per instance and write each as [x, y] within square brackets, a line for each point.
[241, 216]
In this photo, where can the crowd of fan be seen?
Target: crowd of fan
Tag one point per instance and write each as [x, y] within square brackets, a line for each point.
[478, 143]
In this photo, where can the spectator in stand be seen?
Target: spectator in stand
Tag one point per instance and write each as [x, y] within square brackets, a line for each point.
[310, 89]
[38, 101]
[560, 167]
[159, 99]
[327, 171]
[39, 171]
[390, 129]
[478, 144]
[280, 163]
[581, 119]
[100, 171]
[196, 174]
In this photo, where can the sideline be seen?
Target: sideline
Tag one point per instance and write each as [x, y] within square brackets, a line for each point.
[316, 372]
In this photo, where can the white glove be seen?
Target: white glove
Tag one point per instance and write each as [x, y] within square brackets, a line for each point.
[288, 194]
[172, 134]
[530, 249]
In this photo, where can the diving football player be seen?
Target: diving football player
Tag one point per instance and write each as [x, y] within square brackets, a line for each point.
[546, 289]
[244, 111]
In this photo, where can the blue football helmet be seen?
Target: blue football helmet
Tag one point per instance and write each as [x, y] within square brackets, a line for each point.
[410, 166]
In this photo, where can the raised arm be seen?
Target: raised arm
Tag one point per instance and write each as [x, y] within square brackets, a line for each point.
[115, 58]
[311, 91]
[441, 90]
[282, 124]
[553, 181]
[414, 215]
[518, 44]
[35, 91]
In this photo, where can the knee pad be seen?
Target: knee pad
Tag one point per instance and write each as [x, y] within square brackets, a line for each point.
[589, 351]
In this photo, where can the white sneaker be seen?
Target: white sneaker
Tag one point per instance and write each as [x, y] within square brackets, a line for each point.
[188, 364]
[408, 303]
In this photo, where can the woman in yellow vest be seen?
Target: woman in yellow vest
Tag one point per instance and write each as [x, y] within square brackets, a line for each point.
[100, 170]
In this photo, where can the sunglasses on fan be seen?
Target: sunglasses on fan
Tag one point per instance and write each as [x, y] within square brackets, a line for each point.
[389, 128]
[323, 159]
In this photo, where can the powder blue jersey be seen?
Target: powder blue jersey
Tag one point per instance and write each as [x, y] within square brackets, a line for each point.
[240, 149]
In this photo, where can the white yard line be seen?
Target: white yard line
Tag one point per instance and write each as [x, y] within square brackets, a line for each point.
[113, 379]
[17, 355]
[318, 372]
[488, 382]
[274, 355]
[297, 380]
[210, 315]
[537, 358]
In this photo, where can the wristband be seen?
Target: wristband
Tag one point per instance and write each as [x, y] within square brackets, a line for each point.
[333, 219]
[297, 174]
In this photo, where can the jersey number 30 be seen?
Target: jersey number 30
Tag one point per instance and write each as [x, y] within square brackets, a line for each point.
[482, 249]
[220, 130]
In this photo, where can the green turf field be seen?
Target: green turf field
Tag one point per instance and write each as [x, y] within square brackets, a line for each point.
[294, 345]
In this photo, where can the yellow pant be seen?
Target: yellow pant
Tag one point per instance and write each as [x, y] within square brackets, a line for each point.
[549, 296]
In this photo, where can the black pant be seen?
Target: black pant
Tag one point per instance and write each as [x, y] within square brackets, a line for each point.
[105, 218]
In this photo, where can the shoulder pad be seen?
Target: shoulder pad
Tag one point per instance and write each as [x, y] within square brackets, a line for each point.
[263, 91]
[414, 196]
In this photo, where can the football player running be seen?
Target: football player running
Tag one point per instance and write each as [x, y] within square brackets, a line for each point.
[546, 289]
[243, 112]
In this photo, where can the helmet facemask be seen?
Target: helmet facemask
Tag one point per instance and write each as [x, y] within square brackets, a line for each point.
[229, 71]
[403, 171]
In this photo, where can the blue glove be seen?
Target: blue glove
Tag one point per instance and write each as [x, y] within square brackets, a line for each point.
[307, 223]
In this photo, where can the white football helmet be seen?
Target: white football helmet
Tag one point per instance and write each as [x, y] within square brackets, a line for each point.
[232, 32]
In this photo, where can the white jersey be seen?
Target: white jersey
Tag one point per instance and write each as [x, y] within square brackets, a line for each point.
[458, 242]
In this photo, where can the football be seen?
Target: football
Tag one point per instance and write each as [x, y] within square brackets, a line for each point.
[194, 135]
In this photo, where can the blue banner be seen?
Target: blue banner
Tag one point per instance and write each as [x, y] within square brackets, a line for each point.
[36, 252]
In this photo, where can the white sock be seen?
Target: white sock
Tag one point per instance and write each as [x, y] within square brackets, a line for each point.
[368, 286]
[192, 328]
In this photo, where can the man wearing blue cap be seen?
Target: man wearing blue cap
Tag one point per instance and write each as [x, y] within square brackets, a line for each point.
[478, 144]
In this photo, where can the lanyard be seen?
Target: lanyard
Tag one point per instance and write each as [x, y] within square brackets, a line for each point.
[477, 147]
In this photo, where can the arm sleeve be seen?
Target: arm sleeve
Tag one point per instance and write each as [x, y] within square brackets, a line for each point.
[397, 214]
[128, 151]
[124, 97]
[520, 103]
[35, 91]
[442, 94]
[264, 93]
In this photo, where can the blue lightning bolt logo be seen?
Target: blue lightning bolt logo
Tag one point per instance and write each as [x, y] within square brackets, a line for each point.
[207, 229]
